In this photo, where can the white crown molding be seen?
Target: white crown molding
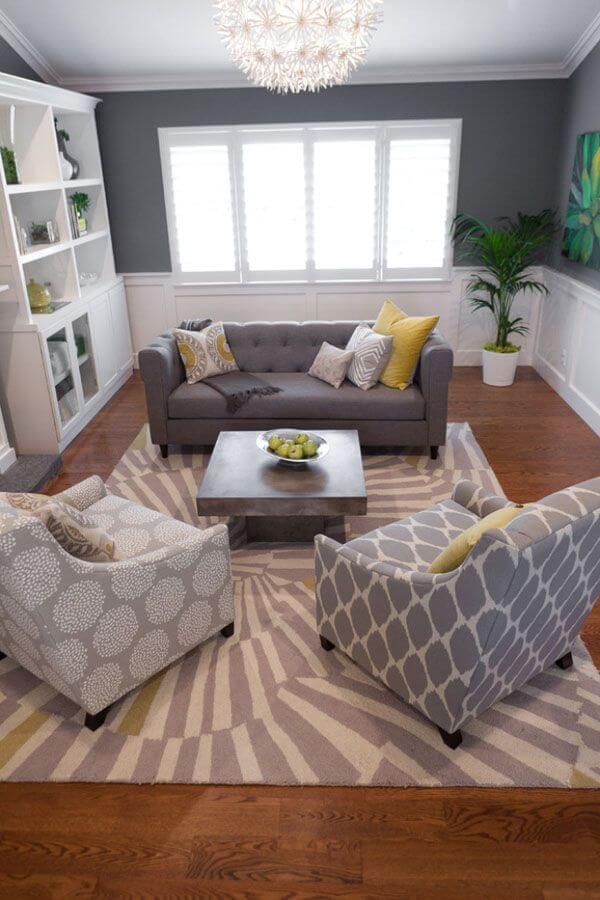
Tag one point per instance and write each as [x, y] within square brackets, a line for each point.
[582, 46]
[28, 53]
[234, 79]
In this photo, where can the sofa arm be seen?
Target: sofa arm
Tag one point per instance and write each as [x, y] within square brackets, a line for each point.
[162, 372]
[476, 499]
[435, 372]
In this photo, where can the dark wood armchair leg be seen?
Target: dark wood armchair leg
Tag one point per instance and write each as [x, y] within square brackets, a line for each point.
[93, 722]
[453, 740]
[565, 662]
[326, 643]
[228, 630]
[434, 452]
[2, 655]
[164, 450]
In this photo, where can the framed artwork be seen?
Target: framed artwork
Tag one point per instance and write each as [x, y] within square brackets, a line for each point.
[581, 241]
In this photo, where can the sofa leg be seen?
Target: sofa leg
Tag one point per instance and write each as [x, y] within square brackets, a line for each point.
[164, 450]
[565, 662]
[93, 722]
[453, 740]
[326, 644]
[227, 631]
[433, 451]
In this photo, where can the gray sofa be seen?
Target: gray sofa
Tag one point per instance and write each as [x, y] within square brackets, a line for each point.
[282, 353]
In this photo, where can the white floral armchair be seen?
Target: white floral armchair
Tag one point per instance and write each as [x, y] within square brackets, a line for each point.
[95, 631]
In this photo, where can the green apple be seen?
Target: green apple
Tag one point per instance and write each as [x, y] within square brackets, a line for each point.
[301, 438]
[296, 452]
[283, 451]
[309, 448]
[275, 441]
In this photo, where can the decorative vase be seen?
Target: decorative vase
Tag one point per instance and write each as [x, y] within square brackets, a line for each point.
[39, 296]
[67, 162]
[499, 369]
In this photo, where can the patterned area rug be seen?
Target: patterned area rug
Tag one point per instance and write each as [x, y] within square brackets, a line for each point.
[269, 706]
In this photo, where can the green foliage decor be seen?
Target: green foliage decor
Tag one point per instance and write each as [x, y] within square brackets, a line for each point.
[582, 227]
[80, 201]
[505, 252]
[9, 163]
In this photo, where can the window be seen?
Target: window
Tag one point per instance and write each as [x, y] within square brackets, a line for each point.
[311, 202]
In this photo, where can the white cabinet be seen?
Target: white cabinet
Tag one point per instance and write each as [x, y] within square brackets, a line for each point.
[102, 329]
[120, 324]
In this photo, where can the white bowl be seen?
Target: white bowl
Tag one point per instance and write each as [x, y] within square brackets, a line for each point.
[262, 442]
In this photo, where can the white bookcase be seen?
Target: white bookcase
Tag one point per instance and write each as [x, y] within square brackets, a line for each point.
[57, 369]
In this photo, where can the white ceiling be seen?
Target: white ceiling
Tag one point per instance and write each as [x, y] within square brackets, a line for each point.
[137, 44]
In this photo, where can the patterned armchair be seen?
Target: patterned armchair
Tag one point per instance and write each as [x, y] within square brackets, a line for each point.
[453, 644]
[95, 631]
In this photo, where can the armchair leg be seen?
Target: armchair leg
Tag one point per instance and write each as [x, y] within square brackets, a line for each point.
[433, 451]
[227, 631]
[2, 655]
[565, 662]
[453, 740]
[164, 450]
[326, 644]
[93, 722]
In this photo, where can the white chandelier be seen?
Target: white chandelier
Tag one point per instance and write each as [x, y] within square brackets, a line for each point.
[297, 45]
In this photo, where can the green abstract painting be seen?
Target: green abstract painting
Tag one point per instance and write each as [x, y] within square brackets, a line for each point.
[582, 226]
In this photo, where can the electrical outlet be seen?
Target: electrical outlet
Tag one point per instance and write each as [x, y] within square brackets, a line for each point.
[563, 358]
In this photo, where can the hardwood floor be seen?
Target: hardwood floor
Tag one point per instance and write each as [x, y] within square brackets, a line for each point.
[85, 840]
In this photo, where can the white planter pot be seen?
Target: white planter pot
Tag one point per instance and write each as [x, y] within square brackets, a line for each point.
[499, 368]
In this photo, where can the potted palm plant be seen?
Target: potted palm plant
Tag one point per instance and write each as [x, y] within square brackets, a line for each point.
[505, 253]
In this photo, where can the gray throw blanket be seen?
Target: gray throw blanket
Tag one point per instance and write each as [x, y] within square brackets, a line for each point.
[239, 387]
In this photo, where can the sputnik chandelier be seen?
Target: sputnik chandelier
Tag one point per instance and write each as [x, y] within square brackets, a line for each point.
[297, 45]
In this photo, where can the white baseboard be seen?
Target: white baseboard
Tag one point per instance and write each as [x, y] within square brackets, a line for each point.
[7, 458]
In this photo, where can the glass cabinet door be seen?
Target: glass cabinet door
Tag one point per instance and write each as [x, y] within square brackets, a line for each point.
[63, 376]
[86, 362]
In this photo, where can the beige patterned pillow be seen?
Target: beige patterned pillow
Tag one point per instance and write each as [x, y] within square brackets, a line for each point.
[331, 364]
[26, 503]
[76, 533]
[371, 354]
[204, 353]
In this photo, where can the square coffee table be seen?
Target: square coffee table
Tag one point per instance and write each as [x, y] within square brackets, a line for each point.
[283, 502]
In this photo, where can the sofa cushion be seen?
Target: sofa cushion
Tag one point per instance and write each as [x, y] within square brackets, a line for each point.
[415, 542]
[283, 346]
[301, 397]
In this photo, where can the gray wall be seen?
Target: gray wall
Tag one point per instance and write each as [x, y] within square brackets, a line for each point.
[510, 146]
[12, 64]
[582, 114]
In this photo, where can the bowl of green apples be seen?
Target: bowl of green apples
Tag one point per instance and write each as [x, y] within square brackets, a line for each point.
[293, 447]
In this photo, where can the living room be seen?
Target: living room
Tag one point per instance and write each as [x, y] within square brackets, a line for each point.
[299, 448]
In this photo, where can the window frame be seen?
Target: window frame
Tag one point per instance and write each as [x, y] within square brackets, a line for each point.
[310, 133]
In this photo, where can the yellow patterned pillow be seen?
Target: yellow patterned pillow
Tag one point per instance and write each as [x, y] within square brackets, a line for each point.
[77, 533]
[409, 334]
[457, 550]
[204, 353]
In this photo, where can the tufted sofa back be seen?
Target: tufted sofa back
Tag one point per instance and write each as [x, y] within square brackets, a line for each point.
[283, 346]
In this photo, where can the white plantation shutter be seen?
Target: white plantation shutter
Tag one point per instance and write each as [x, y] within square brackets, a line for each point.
[418, 203]
[363, 201]
[274, 206]
[345, 200]
[202, 212]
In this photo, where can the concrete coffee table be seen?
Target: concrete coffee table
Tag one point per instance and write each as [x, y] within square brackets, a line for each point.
[283, 502]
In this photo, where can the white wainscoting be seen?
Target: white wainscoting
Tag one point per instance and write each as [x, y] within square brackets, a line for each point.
[563, 343]
[567, 344]
[156, 304]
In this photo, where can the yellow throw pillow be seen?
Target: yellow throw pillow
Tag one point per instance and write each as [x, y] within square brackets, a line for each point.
[457, 550]
[389, 314]
[204, 353]
[409, 334]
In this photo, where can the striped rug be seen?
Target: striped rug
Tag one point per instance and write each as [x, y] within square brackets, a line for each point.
[269, 706]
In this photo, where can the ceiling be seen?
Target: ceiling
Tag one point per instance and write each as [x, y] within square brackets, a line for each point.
[145, 44]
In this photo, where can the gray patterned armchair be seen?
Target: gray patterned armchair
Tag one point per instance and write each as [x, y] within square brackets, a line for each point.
[95, 631]
[454, 644]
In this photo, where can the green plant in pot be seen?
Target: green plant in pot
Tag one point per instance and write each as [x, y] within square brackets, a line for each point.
[505, 253]
[81, 204]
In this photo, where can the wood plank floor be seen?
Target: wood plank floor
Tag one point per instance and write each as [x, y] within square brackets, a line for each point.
[191, 841]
